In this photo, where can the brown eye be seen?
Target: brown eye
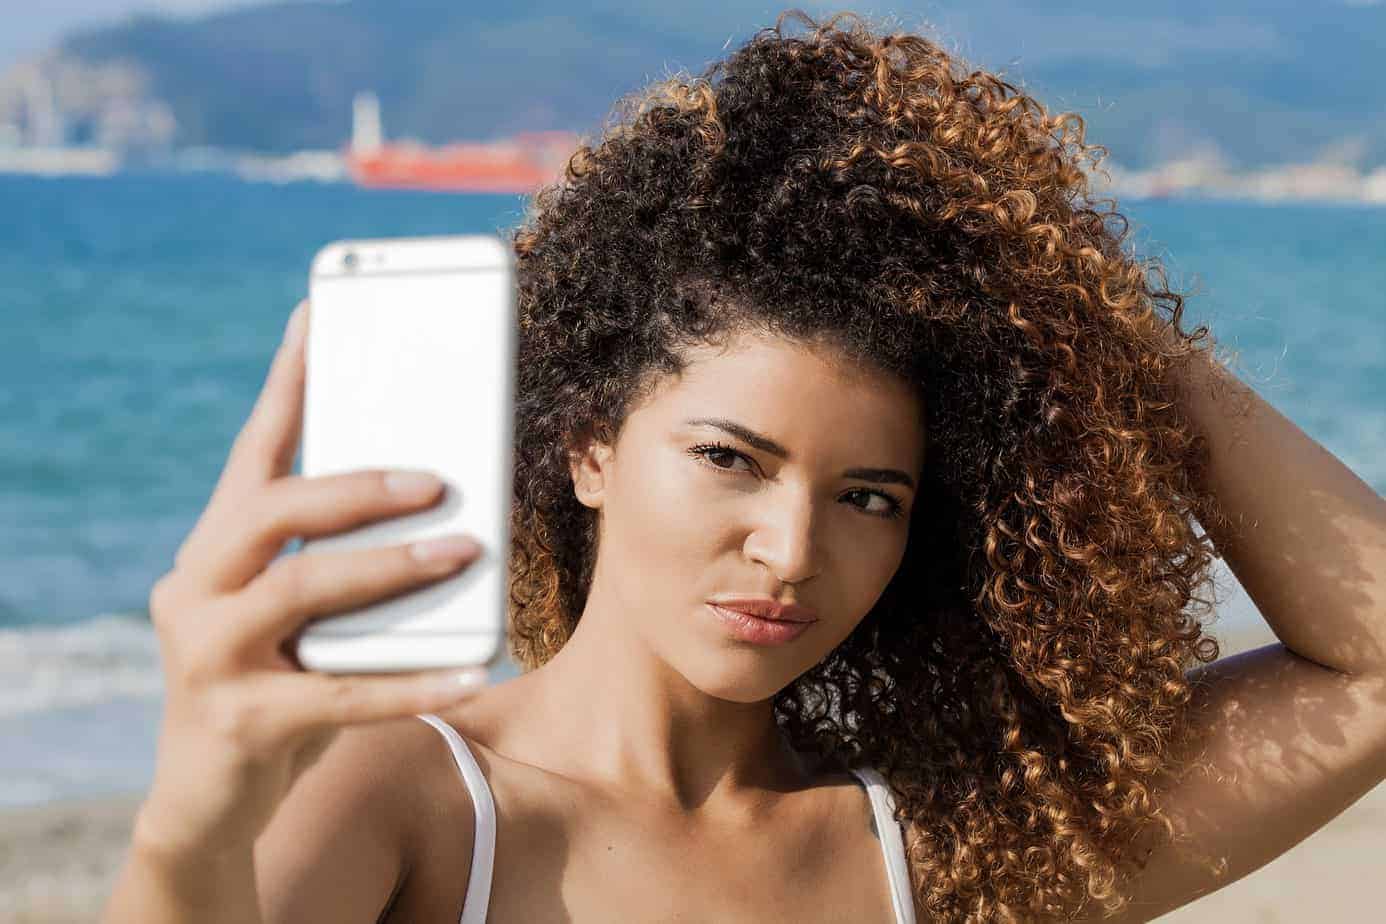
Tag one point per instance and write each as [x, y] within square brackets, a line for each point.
[724, 454]
[714, 451]
[893, 509]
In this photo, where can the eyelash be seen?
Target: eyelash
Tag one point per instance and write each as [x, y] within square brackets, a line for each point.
[702, 450]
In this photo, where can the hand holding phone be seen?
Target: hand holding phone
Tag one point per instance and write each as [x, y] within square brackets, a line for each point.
[240, 720]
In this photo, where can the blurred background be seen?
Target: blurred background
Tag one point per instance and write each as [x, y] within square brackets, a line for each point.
[168, 167]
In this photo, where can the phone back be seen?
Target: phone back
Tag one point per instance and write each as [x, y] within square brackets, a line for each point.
[410, 364]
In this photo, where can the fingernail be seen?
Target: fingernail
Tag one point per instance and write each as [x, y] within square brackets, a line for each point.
[463, 681]
[412, 485]
[445, 548]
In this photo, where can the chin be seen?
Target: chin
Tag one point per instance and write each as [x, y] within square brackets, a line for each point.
[738, 677]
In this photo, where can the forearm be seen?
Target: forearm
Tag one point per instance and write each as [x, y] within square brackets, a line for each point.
[156, 887]
[1304, 535]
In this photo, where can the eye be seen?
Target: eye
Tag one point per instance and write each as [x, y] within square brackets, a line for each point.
[893, 508]
[709, 451]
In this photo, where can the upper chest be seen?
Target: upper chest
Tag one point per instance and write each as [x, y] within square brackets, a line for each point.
[563, 854]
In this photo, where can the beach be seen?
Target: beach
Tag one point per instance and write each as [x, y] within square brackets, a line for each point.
[58, 861]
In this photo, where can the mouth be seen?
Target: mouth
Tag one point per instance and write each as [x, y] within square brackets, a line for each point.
[757, 630]
[766, 609]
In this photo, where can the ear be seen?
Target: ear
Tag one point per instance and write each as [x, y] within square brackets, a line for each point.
[589, 464]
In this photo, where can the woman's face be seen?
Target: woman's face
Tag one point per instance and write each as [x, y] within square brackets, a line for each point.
[790, 509]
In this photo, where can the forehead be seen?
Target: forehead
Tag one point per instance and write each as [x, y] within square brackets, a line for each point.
[796, 389]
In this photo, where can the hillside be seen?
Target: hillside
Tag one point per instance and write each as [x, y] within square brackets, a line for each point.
[1263, 82]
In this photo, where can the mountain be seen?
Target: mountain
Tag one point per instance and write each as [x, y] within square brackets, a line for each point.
[1258, 82]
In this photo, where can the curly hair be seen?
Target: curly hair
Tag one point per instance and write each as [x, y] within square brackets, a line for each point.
[1021, 681]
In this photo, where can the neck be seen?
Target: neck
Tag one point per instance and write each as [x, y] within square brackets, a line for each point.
[608, 710]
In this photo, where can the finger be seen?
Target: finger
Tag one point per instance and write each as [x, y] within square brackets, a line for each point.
[267, 442]
[307, 701]
[307, 586]
[238, 545]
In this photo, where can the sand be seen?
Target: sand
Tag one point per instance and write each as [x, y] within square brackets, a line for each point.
[58, 863]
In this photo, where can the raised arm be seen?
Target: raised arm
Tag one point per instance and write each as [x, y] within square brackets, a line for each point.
[1296, 731]
[1307, 537]
[242, 726]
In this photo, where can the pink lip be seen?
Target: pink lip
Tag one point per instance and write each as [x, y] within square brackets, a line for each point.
[766, 608]
[756, 630]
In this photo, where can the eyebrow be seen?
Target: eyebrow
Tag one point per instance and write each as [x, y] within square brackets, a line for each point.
[765, 444]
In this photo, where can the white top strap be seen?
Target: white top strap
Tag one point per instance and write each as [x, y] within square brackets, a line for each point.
[892, 842]
[478, 898]
[484, 842]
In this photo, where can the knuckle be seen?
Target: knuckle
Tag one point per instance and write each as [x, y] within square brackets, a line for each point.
[342, 699]
[185, 673]
[161, 599]
[269, 511]
[238, 719]
[167, 599]
[190, 665]
[287, 580]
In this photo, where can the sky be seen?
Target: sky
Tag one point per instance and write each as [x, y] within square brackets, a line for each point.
[31, 27]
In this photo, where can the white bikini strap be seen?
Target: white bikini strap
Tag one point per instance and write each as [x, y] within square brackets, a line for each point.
[484, 842]
[892, 843]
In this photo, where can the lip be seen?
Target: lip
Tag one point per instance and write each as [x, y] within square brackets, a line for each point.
[765, 608]
[758, 630]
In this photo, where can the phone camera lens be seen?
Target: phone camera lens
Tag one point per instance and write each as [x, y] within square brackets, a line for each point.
[349, 260]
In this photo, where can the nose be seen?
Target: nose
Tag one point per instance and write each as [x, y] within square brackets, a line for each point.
[784, 539]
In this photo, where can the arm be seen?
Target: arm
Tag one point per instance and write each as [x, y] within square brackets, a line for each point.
[338, 848]
[242, 725]
[1306, 537]
[158, 887]
[1294, 732]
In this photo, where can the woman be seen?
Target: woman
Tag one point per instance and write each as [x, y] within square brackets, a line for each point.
[831, 335]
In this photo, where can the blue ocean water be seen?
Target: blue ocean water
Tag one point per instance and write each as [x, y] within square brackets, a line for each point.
[140, 313]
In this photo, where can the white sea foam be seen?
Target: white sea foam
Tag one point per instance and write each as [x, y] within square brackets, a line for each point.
[109, 657]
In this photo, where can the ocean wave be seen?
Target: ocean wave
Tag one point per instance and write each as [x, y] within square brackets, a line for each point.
[112, 656]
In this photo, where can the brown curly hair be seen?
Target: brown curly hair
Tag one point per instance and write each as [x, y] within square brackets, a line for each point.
[1021, 680]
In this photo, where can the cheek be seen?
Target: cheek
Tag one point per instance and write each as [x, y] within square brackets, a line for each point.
[872, 562]
[663, 520]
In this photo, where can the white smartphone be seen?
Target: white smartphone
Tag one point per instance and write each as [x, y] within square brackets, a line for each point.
[411, 364]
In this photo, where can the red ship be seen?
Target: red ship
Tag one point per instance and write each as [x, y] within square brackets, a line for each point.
[520, 164]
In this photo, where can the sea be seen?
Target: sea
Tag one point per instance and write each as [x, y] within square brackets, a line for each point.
[140, 313]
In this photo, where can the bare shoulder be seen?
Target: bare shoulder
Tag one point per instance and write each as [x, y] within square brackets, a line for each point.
[358, 824]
